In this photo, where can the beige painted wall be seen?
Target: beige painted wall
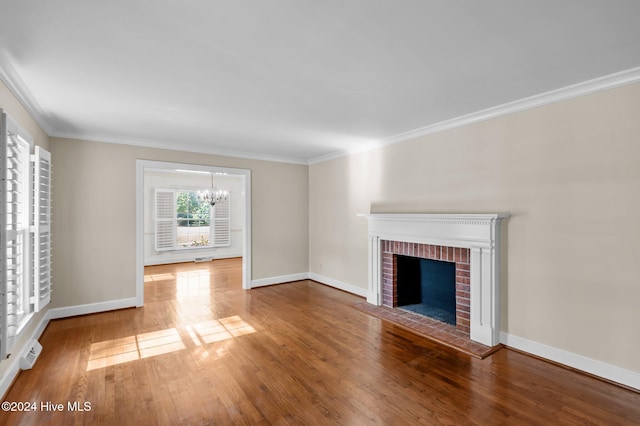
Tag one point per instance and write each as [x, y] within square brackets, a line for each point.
[95, 219]
[568, 173]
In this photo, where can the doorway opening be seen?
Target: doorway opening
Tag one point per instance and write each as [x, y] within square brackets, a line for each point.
[239, 179]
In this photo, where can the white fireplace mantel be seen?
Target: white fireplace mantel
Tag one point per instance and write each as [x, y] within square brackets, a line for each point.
[478, 232]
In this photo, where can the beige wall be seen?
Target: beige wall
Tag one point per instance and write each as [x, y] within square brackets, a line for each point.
[95, 219]
[568, 173]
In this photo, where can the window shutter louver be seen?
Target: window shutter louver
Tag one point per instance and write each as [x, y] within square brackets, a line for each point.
[165, 219]
[41, 220]
[4, 240]
[14, 211]
[222, 223]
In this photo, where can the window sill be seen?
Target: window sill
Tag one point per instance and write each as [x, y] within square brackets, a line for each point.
[24, 322]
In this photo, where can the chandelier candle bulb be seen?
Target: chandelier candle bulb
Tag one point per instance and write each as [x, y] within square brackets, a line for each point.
[213, 196]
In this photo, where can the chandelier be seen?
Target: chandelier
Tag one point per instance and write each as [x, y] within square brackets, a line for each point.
[212, 196]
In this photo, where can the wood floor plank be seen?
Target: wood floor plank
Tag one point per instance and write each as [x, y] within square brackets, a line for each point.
[203, 351]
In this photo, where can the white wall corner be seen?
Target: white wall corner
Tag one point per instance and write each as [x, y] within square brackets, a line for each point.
[597, 368]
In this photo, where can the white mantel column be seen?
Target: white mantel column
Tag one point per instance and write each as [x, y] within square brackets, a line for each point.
[374, 288]
[485, 296]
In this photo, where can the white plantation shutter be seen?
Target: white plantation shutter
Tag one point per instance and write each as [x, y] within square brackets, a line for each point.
[221, 223]
[14, 213]
[4, 262]
[165, 219]
[41, 222]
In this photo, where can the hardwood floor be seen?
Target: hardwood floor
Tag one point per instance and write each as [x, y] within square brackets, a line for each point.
[204, 351]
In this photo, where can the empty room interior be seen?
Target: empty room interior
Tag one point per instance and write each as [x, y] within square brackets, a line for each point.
[297, 212]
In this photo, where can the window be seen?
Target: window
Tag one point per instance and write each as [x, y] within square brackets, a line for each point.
[183, 221]
[25, 243]
[194, 227]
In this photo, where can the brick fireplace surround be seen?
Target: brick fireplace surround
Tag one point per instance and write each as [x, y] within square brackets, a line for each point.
[457, 255]
[471, 241]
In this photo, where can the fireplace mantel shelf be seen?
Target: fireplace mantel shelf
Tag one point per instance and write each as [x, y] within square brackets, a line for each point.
[481, 233]
[452, 217]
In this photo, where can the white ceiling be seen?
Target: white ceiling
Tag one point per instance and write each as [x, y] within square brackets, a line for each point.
[297, 80]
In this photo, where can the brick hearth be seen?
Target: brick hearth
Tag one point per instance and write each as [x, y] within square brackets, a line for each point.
[459, 256]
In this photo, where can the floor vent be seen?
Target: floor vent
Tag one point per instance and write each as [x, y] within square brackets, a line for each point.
[203, 259]
[27, 361]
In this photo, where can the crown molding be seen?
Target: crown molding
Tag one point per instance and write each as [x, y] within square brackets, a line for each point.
[16, 85]
[338, 154]
[184, 148]
[588, 87]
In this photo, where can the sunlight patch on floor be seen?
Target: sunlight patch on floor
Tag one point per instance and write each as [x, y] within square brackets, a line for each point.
[158, 277]
[222, 329]
[236, 326]
[146, 345]
[193, 283]
[159, 342]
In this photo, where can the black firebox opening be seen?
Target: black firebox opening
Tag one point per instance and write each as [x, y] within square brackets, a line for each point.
[427, 287]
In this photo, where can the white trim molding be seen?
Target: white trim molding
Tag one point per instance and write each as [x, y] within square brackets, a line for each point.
[601, 369]
[91, 308]
[141, 166]
[591, 366]
[13, 362]
[16, 85]
[478, 232]
[182, 147]
[13, 81]
[566, 93]
[340, 285]
[189, 258]
[282, 279]
[262, 282]
[553, 96]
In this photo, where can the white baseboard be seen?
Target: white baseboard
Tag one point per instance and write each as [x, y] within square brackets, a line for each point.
[279, 280]
[610, 372]
[349, 288]
[598, 368]
[13, 366]
[92, 308]
[13, 363]
[183, 259]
